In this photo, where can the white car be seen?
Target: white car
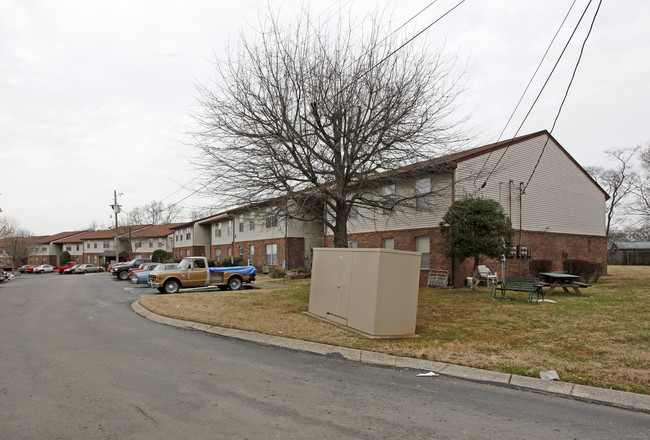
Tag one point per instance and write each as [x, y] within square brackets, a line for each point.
[43, 268]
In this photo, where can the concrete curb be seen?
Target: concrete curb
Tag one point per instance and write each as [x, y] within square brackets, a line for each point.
[621, 399]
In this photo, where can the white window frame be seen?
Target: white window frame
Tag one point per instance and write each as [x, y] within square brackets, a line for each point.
[423, 244]
[388, 199]
[423, 194]
[271, 253]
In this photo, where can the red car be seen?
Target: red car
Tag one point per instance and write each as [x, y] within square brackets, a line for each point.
[30, 269]
[68, 265]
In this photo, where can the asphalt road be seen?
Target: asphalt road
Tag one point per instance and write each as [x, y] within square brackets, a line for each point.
[77, 363]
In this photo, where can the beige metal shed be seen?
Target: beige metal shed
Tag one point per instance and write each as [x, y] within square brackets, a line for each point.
[372, 291]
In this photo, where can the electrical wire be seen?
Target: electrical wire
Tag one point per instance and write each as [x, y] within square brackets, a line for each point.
[538, 95]
[521, 98]
[566, 93]
[403, 45]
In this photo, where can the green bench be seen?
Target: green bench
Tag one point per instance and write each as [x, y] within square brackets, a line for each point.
[519, 284]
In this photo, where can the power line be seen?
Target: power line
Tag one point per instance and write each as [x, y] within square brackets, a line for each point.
[548, 49]
[404, 44]
[566, 93]
[538, 95]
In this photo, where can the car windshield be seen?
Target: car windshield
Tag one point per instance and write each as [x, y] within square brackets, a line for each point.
[185, 263]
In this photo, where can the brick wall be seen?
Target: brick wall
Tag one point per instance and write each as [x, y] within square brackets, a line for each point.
[290, 249]
[541, 245]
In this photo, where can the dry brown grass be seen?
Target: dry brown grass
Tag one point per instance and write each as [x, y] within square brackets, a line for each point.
[601, 338]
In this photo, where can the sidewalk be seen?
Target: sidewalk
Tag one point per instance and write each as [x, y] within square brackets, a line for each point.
[621, 399]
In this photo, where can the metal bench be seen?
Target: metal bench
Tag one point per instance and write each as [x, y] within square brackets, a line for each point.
[518, 284]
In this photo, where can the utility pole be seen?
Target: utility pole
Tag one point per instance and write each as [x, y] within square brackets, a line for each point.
[116, 209]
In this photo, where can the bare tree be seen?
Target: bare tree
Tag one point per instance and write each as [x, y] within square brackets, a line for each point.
[153, 213]
[7, 226]
[19, 247]
[618, 181]
[316, 115]
[641, 205]
[128, 241]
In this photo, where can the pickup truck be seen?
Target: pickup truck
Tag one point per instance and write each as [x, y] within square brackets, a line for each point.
[65, 266]
[121, 270]
[194, 272]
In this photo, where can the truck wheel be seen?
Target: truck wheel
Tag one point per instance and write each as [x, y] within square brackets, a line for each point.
[123, 275]
[234, 283]
[171, 286]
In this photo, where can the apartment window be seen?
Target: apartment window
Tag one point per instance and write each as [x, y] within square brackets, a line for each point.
[138, 244]
[95, 244]
[188, 233]
[217, 254]
[354, 209]
[388, 199]
[187, 253]
[388, 243]
[241, 223]
[252, 221]
[271, 217]
[229, 251]
[352, 244]
[160, 243]
[88, 245]
[252, 255]
[68, 247]
[217, 232]
[422, 245]
[150, 243]
[241, 251]
[106, 244]
[77, 247]
[423, 194]
[272, 253]
[229, 228]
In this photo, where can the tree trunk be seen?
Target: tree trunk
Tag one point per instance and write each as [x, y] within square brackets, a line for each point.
[475, 275]
[341, 225]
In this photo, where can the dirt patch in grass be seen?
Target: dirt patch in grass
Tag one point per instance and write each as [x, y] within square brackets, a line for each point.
[601, 338]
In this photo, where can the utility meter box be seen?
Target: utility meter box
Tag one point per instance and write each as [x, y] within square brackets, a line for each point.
[371, 291]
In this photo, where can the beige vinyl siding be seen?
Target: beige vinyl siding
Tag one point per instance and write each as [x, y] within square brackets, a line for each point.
[225, 237]
[407, 217]
[560, 197]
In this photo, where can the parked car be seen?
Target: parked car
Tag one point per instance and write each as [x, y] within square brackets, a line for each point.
[140, 268]
[22, 269]
[70, 270]
[65, 266]
[142, 277]
[30, 269]
[86, 268]
[43, 268]
[6, 268]
[121, 271]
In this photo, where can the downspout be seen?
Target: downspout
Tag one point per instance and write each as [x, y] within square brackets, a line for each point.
[234, 235]
[453, 199]
[521, 216]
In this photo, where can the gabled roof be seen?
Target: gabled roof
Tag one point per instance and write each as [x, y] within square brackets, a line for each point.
[59, 236]
[632, 245]
[157, 230]
[451, 160]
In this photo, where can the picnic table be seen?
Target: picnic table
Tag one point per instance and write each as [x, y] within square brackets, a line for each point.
[563, 280]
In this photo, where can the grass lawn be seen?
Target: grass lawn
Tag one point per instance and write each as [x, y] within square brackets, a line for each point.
[601, 338]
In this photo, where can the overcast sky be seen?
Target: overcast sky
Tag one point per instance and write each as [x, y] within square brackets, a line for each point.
[96, 96]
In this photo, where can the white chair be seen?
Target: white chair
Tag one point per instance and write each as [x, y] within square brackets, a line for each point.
[486, 275]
